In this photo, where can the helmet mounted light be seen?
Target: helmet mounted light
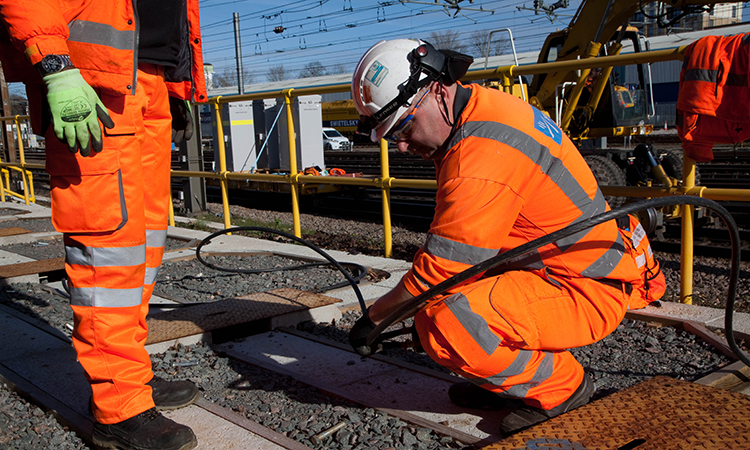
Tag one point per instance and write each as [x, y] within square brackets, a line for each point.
[427, 65]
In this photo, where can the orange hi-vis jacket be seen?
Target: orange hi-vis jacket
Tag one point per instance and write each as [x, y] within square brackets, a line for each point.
[101, 38]
[713, 105]
[509, 177]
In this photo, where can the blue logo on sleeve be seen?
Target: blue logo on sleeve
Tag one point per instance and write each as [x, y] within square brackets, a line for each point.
[544, 124]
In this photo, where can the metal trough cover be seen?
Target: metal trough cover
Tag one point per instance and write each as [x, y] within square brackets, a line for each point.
[198, 319]
[660, 413]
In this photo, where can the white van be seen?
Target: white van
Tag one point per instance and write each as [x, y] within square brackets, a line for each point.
[333, 140]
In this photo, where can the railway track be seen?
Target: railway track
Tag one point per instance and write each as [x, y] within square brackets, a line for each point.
[730, 169]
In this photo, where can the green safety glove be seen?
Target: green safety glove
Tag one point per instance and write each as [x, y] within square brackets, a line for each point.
[72, 103]
[182, 120]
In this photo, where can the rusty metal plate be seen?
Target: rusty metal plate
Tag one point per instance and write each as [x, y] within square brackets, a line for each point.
[659, 414]
[13, 231]
[32, 267]
[197, 319]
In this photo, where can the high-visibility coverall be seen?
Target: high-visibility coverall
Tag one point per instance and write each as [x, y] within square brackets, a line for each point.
[713, 105]
[111, 207]
[509, 176]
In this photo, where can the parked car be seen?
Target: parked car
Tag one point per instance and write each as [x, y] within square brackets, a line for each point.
[333, 140]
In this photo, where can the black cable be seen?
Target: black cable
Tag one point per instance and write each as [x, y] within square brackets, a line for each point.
[410, 308]
[361, 270]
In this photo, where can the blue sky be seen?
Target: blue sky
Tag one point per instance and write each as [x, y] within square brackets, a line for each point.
[337, 32]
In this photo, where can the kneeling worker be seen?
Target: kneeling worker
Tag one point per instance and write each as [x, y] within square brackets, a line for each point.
[506, 175]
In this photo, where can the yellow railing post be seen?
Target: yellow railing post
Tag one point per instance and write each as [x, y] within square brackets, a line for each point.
[222, 163]
[171, 209]
[386, 189]
[688, 211]
[2, 185]
[23, 161]
[293, 175]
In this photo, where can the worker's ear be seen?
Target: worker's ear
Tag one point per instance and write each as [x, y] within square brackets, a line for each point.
[440, 91]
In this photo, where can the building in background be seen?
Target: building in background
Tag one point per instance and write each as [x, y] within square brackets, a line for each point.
[652, 14]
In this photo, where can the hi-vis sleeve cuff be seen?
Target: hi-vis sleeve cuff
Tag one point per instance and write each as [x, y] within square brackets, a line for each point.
[414, 284]
[40, 46]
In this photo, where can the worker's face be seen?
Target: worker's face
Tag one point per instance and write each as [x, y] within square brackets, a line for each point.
[418, 130]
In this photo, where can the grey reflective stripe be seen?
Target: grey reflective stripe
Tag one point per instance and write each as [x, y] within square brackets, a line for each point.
[536, 152]
[105, 298]
[543, 372]
[474, 324]
[101, 34]
[598, 206]
[709, 76]
[106, 257]
[515, 368]
[151, 274]
[712, 76]
[606, 263]
[123, 206]
[156, 238]
[558, 174]
[532, 261]
[456, 251]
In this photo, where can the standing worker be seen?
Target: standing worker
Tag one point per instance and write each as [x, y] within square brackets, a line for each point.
[506, 175]
[101, 78]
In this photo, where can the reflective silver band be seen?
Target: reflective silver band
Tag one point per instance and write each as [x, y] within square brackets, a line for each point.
[456, 251]
[543, 372]
[156, 238]
[105, 298]
[151, 274]
[515, 368]
[558, 174]
[101, 34]
[473, 323]
[106, 257]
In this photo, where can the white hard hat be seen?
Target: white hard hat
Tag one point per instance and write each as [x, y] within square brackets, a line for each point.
[379, 78]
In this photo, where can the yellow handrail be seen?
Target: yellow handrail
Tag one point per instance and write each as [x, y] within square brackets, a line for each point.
[386, 182]
[26, 176]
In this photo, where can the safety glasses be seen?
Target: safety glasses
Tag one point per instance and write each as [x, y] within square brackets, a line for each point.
[402, 129]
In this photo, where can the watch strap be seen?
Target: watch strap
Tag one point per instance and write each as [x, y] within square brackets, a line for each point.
[58, 64]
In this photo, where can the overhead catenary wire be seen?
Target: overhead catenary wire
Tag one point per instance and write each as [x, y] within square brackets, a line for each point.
[349, 44]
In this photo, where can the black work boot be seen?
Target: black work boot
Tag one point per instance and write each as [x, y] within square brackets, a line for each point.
[148, 430]
[468, 395]
[169, 395]
[527, 416]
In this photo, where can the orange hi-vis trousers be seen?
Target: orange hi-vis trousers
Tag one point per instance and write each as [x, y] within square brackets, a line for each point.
[509, 333]
[112, 209]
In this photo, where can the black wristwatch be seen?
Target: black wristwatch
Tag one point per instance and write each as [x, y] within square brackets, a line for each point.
[54, 63]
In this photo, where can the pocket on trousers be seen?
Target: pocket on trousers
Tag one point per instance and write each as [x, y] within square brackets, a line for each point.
[87, 195]
[88, 203]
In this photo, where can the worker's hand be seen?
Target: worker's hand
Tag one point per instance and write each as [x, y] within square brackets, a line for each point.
[358, 335]
[182, 120]
[76, 111]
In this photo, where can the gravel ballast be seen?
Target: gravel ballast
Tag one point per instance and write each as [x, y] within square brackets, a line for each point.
[633, 353]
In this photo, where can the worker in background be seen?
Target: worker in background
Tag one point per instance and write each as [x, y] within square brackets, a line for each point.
[506, 175]
[101, 78]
